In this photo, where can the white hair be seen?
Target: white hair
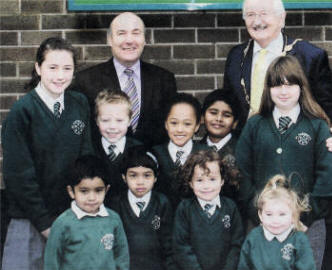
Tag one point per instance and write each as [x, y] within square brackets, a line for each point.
[278, 7]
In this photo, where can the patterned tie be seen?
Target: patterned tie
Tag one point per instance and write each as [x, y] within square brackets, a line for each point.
[56, 109]
[178, 158]
[131, 91]
[283, 124]
[207, 207]
[140, 205]
[111, 155]
[257, 85]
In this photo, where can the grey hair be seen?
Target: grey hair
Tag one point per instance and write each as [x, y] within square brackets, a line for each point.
[278, 7]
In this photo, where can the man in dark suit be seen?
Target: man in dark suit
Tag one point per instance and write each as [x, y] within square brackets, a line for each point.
[153, 85]
[264, 21]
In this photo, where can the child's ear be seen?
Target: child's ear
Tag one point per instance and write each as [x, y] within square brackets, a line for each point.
[235, 124]
[37, 67]
[124, 178]
[71, 192]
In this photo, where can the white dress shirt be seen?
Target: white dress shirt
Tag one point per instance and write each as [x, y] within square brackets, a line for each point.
[133, 200]
[80, 213]
[119, 145]
[48, 99]
[221, 143]
[173, 148]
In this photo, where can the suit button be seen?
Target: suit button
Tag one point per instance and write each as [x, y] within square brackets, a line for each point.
[279, 150]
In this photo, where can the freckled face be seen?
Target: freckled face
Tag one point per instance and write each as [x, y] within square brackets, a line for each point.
[181, 124]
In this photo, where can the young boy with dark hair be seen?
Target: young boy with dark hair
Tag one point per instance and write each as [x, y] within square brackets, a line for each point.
[146, 214]
[88, 235]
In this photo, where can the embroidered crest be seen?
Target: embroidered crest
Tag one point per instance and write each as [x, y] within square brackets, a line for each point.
[227, 221]
[303, 138]
[155, 222]
[287, 251]
[78, 127]
[108, 240]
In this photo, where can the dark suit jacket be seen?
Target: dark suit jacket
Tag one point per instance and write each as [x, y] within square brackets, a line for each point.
[157, 84]
[115, 180]
[313, 60]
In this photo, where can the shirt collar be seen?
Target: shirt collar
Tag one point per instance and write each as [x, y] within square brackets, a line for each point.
[133, 199]
[293, 114]
[214, 202]
[121, 68]
[120, 145]
[80, 213]
[221, 143]
[173, 148]
[275, 46]
[280, 237]
[48, 99]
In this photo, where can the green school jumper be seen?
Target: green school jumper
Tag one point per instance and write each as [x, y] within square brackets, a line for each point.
[149, 235]
[89, 243]
[263, 152]
[258, 253]
[37, 149]
[202, 243]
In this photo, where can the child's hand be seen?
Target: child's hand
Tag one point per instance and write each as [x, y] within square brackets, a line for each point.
[46, 232]
[329, 142]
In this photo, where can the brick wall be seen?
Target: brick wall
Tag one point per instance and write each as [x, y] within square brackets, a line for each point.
[192, 44]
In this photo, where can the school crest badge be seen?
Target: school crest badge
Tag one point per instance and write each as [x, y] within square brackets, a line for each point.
[287, 251]
[107, 241]
[78, 127]
[156, 222]
[303, 138]
[226, 220]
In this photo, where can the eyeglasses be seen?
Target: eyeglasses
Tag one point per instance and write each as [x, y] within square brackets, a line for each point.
[250, 16]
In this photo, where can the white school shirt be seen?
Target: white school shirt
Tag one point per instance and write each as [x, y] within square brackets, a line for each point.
[292, 114]
[173, 148]
[221, 143]
[215, 202]
[133, 200]
[119, 145]
[80, 213]
[280, 237]
[48, 99]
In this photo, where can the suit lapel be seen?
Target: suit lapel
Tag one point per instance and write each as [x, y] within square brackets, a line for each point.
[110, 77]
[246, 69]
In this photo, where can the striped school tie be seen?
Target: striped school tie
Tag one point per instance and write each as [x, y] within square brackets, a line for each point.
[111, 155]
[178, 158]
[131, 91]
[140, 205]
[283, 124]
[56, 109]
[207, 207]
[258, 81]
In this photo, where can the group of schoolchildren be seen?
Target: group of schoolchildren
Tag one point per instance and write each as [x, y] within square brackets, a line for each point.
[180, 205]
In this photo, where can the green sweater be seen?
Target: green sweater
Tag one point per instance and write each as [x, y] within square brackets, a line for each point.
[202, 243]
[263, 152]
[90, 243]
[258, 253]
[37, 149]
